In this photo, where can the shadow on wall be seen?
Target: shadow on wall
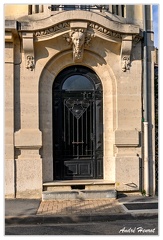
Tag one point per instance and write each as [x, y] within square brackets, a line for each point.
[52, 48]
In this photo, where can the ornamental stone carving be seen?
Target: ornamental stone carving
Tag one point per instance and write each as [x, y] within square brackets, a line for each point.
[52, 30]
[126, 48]
[30, 62]
[79, 34]
[28, 49]
[125, 63]
[103, 30]
[78, 38]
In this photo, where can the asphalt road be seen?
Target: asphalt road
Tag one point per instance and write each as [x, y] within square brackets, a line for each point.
[121, 227]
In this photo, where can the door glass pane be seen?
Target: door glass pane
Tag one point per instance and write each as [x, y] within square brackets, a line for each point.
[77, 82]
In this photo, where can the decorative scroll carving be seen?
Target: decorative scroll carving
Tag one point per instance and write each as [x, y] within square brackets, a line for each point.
[28, 48]
[137, 38]
[88, 38]
[125, 63]
[30, 62]
[126, 52]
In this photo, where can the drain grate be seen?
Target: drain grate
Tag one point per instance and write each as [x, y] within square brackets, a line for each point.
[141, 206]
[78, 187]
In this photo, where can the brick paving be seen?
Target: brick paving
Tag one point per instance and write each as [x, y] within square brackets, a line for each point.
[80, 207]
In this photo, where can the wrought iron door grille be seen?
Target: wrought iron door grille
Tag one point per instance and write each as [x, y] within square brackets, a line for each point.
[77, 126]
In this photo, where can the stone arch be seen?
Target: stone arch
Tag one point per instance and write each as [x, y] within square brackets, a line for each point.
[48, 75]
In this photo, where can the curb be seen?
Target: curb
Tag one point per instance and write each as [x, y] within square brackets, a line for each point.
[34, 219]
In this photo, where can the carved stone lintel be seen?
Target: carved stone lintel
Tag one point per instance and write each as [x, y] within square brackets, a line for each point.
[126, 52]
[28, 48]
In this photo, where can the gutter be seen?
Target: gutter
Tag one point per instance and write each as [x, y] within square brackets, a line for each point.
[145, 98]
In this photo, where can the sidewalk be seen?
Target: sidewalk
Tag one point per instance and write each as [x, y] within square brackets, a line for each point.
[30, 211]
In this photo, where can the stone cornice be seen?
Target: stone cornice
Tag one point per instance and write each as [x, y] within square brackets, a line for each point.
[97, 29]
[59, 23]
[61, 28]
[67, 16]
[11, 27]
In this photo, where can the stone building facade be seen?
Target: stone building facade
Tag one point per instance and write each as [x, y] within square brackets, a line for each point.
[74, 99]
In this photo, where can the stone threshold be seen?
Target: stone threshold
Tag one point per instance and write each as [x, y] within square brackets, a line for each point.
[79, 182]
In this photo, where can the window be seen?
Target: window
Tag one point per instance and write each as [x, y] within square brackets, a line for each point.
[77, 83]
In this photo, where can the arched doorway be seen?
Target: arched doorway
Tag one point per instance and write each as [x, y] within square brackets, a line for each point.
[77, 124]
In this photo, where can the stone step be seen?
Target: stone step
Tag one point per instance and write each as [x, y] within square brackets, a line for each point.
[79, 194]
[78, 185]
[79, 189]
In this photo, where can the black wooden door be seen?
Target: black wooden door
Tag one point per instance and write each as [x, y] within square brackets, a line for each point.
[77, 129]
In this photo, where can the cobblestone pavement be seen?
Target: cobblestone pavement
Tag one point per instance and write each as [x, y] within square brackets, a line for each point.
[82, 207]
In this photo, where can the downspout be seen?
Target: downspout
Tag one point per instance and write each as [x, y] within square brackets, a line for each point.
[145, 98]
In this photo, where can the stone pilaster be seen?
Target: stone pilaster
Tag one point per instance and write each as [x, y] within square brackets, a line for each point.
[9, 117]
[28, 140]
